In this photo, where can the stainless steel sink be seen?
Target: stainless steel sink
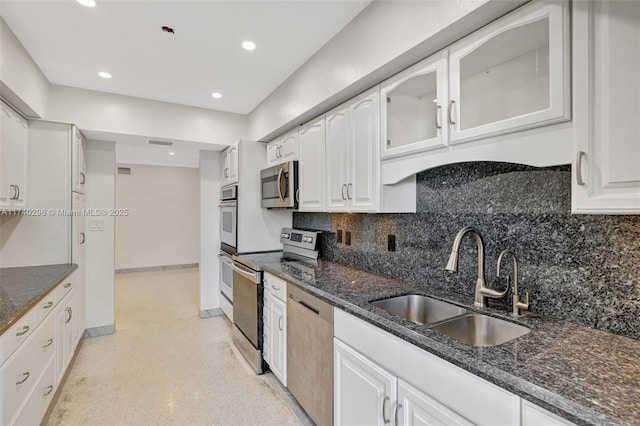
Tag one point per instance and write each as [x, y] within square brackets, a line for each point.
[419, 309]
[480, 330]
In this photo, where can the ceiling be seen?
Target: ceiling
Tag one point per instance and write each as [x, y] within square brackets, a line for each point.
[72, 43]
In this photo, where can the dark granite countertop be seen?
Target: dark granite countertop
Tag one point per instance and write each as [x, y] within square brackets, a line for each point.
[584, 375]
[21, 288]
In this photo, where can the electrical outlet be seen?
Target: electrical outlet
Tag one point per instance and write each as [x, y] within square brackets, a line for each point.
[347, 238]
[391, 242]
[339, 236]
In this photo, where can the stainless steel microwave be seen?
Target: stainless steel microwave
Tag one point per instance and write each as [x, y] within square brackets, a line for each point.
[279, 186]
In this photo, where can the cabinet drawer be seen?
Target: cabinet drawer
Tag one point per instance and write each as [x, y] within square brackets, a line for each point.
[17, 334]
[25, 366]
[276, 286]
[46, 306]
[38, 401]
[62, 289]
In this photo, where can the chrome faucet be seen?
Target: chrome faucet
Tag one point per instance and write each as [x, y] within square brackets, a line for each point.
[482, 292]
[518, 304]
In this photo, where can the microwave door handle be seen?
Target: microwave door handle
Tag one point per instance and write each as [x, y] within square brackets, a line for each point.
[280, 194]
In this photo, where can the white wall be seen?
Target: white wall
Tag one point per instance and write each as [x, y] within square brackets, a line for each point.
[105, 112]
[163, 225]
[210, 230]
[100, 245]
[21, 81]
[382, 40]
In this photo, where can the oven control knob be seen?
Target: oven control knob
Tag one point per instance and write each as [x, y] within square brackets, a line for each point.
[284, 235]
[305, 239]
[309, 239]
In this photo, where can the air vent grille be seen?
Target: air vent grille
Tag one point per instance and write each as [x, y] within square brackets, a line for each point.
[124, 170]
[161, 143]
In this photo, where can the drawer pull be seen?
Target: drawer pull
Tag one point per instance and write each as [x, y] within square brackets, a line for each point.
[49, 390]
[24, 331]
[67, 285]
[26, 376]
[275, 288]
[48, 305]
[49, 343]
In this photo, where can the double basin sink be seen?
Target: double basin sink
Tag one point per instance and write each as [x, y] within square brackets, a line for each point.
[458, 323]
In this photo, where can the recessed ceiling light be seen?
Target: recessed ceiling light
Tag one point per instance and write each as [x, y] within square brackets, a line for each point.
[216, 95]
[248, 45]
[172, 153]
[88, 3]
[104, 74]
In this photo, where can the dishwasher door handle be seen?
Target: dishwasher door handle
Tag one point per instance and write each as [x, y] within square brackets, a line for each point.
[309, 307]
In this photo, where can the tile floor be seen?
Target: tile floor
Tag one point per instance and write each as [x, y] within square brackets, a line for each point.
[165, 366]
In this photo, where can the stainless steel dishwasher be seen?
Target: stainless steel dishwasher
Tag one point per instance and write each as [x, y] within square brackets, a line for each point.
[310, 354]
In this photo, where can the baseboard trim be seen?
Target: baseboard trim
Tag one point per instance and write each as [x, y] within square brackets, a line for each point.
[99, 331]
[157, 268]
[208, 313]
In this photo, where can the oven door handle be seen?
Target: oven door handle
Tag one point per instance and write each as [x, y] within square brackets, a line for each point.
[228, 204]
[245, 272]
[279, 178]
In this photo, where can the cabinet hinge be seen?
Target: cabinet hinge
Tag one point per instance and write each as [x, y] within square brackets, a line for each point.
[388, 100]
[388, 143]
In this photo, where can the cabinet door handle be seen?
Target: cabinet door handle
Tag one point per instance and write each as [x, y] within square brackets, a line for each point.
[83, 238]
[579, 156]
[83, 178]
[344, 186]
[49, 343]
[70, 312]
[49, 390]
[280, 323]
[384, 410]
[18, 196]
[349, 186]
[437, 117]
[12, 191]
[24, 331]
[279, 152]
[398, 406]
[452, 104]
[25, 378]
[48, 305]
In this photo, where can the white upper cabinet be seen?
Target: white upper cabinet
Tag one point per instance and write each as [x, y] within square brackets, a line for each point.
[311, 166]
[352, 173]
[512, 74]
[412, 108]
[606, 52]
[78, 163]
[283, 149]
[229, 165]
[13, 159]
[337, 158]
[363, 187]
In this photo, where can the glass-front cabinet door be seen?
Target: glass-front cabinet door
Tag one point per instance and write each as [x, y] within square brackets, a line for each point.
[511, 75]
[412, 108]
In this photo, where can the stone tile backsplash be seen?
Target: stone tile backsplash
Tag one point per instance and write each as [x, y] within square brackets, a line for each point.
[580, 268]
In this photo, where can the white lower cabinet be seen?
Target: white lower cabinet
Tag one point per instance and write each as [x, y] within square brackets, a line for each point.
[275, 326]
[397, 383]
[364, 392]
[417, 408]
[31, 374]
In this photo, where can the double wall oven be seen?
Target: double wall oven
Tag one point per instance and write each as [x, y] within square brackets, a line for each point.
[228, 244]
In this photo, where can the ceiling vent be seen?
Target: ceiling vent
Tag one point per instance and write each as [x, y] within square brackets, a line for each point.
[160, 143]
[124, 170]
